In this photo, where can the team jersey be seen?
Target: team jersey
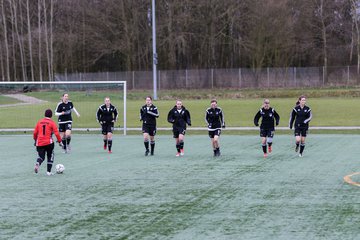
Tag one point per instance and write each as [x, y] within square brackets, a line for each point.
[268, 116]
[214, 117]
[149, 114]
[43, 132]
[66, 108]
[179, 118]
[301, 116]
[107, 114]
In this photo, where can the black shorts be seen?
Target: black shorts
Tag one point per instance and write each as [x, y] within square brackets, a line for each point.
[216, 132]
[47, 150]
[301, 132]
[150, 129]
[178, 131]
[64, 126]
[267, 133]
[107, 128]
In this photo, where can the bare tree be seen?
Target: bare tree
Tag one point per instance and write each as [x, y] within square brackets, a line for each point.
[7, 54]
[30, 40]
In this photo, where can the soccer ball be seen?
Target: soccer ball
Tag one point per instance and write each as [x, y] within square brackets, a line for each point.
[59, 168]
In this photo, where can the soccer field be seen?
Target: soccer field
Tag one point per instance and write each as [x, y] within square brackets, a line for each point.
[239, 195]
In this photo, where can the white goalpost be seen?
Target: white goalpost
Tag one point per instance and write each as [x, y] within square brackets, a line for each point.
[22, 104]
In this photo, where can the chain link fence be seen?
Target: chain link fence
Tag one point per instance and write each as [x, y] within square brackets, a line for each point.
[293, 77]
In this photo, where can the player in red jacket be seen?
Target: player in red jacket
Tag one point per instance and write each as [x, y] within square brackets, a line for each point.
[44, 143]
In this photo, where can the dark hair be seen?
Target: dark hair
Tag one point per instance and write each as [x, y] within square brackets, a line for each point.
[213, 100]
[298, 101]
[149, 97]
[48, 113]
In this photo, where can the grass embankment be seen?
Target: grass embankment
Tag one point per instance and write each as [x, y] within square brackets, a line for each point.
[331, 107]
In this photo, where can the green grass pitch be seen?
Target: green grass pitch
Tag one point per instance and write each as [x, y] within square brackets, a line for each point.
[239, 195]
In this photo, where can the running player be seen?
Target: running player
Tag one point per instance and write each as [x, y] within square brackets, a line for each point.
[44, 143]
[63, 111]
[148, 115]
[179, 116]
[214, 118]
[302, 115]
[107, 115]
[267, 128]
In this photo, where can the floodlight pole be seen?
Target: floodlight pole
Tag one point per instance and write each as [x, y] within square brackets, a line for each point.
[154, 50]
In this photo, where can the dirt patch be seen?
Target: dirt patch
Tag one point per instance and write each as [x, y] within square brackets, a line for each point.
[25, 100]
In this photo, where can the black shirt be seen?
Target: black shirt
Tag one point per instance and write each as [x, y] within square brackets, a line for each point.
[268, 116]
[149, 114]
[67, 108]
[107, 115]
[301, 116]
[214, 117]
[179, 118]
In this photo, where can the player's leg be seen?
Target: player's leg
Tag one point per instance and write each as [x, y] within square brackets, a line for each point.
[50, 158]
[110, 141]
[211, 136]
[181, 142]
[152, 141]
[216, 144]
[68, 136]
[269, 140]
[297, 139]
[145, 130]
[177, 142]
[104, 133]
[62, 135]
[40, 158]
[109, 130]
[302, 143]
[263, 141]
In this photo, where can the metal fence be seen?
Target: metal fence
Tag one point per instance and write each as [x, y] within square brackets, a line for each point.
[293, 77]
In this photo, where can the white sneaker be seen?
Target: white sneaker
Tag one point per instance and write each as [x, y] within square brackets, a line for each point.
[49, 173]
[68, 148]
[300, 155]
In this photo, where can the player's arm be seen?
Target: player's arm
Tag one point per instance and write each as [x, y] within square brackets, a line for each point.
[98, 115]
[277, 117]
[309, 118]
[222, 119]
[57, 111]
[76, 112]
[36, 132]
[188, 118]
[116, 114]
[170, 117]
[56, 132]
[292, 118]
[207, 119]
[256, 118]
[154, 112]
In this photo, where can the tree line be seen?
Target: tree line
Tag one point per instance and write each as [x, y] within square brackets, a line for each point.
[39, 38]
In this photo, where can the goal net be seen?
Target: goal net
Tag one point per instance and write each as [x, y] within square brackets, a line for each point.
[22, 104]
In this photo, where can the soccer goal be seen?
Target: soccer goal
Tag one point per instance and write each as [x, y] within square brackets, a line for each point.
[22, 104]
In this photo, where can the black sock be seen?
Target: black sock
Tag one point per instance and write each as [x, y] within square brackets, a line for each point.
[49, 165]
[297, 144]
[109, 144]
[215, 151]
[105, 142]
[146, 144]
[39, 160]
[178, 147]
[152, 145]
[264, 148]
[181, 145]
[64, 142]
[269, 143]
[302, 147]
[68, 139]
